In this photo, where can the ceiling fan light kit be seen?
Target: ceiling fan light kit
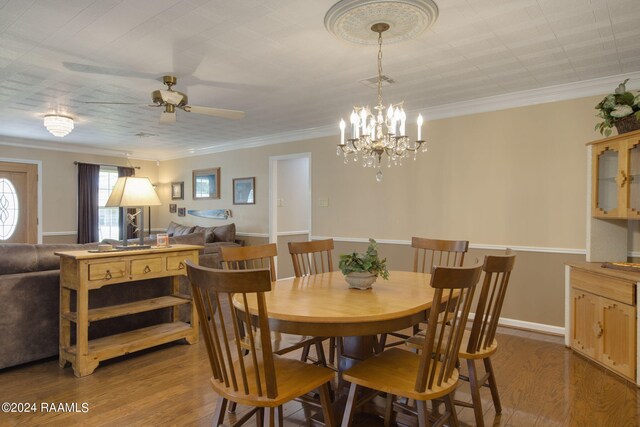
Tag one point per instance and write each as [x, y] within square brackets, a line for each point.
[59, 126]
[382, 129]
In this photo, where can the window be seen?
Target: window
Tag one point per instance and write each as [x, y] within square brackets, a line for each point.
[8, 209]
[107, 217]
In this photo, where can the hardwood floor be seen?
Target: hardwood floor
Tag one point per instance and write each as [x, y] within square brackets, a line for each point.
[541, 383]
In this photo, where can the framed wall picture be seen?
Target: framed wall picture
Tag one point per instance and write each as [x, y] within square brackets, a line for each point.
[182, 211]
[177, 190]
[172, 207]
[244, 191]
[206, 184]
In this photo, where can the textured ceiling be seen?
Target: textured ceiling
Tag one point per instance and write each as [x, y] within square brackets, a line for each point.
[275, 60]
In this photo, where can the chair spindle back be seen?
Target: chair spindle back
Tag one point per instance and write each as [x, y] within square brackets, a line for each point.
[454, 287]
[254, 374]
[250, 257]
[429, 253]
[311, 257]
[497, 271]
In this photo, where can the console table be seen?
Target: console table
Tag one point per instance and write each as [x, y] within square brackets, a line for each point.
[83, 271]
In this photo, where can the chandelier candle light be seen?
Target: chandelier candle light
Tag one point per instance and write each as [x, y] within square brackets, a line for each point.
[381, 131]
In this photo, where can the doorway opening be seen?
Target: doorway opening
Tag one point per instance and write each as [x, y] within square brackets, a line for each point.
[289, 205]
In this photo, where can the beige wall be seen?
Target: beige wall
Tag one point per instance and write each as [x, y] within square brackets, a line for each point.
[59, 186]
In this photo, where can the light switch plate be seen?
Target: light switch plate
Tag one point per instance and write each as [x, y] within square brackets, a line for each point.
[280, 202]
[323, 202]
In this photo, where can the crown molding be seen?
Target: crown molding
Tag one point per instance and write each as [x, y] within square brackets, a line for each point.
[563, 92]
[71, 148]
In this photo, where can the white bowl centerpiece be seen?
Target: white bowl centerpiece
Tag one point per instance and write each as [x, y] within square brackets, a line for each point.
[361, 270]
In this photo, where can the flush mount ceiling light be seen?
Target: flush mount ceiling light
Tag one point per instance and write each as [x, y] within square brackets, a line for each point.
[378, 131]
[58, 125]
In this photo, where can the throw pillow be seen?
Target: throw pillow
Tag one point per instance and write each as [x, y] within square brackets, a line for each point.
[208, 232]
[176, 229]
[225, 233]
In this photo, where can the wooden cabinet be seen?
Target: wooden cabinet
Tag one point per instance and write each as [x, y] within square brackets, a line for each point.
[603, 316]
[615, 181]
[83, 271]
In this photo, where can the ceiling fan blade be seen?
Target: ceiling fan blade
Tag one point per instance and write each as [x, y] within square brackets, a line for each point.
[112, 103]
[218, 112]
[166, 118]
[95, 69]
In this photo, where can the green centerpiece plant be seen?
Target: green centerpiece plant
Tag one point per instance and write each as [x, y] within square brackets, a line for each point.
[362, 269]
[620, 109]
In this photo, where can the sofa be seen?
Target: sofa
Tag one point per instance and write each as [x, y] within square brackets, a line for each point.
[30, 295]
[214, 237]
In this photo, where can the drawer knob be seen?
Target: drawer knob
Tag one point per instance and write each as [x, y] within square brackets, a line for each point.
[108, 275]
[181, 266]
[146, 269]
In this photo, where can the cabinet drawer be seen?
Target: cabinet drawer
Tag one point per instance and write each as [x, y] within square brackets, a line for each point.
[609, 287]
[106, 270]
[140, 267]
[176, 262]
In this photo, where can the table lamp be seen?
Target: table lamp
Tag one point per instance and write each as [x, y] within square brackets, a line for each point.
[133, 192]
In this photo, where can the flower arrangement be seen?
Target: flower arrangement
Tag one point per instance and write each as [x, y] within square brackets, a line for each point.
[363, 263]
[616, 106]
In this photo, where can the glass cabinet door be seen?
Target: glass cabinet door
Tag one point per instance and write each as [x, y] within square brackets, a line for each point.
[633, 184]
[606, 171]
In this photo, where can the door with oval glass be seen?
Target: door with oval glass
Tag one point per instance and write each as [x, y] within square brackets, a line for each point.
[18, 203]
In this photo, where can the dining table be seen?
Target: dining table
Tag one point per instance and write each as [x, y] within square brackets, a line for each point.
[323, 305]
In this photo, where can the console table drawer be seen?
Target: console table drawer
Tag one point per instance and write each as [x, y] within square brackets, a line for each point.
[140, 267]
[106, 270]
[176, 262]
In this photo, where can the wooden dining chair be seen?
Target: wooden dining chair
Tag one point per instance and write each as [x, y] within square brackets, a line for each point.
[257, 378]
[480, 343]
[428, 253]
[430, 374]
[315, 257]
[262, 256]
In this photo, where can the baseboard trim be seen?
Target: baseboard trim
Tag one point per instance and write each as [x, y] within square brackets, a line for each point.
[528, 326]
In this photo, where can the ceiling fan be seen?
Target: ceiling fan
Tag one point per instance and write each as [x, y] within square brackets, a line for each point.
[171, 99]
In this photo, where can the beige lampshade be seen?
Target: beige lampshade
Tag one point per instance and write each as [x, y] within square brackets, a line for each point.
[131, 191]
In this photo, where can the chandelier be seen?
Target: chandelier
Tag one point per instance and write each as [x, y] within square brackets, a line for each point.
[381, 131]
[58, 125]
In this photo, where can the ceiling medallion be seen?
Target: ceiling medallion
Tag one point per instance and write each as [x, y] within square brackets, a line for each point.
[351, 20]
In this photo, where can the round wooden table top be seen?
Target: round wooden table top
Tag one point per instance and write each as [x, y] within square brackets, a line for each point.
[323, 304]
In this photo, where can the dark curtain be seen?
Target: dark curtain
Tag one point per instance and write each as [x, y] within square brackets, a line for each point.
[88, 183]
[130, 230]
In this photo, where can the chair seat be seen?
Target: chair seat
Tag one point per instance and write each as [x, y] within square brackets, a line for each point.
[394, 371]
[480, 354]
[282, 343]
[417, 342]
[294, 378]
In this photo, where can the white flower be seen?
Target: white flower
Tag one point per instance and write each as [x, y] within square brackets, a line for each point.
[621, 111]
